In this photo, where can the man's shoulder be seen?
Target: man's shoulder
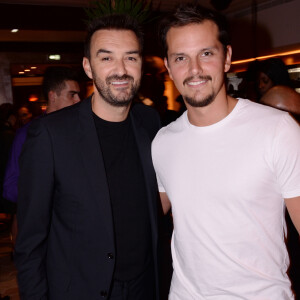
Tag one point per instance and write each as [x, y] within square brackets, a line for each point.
[144, 111]
[61, 120]
[172, 129]
[146, 117]
[65, 112]
[64, 115]
[258, 111]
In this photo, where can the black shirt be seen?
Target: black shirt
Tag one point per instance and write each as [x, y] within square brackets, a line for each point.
[128, 197]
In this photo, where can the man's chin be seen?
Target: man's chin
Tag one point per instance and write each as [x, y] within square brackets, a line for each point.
[199, 102]
[121, 102]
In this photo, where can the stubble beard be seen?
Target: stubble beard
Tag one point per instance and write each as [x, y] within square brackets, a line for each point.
[194, 101]
[124, 99]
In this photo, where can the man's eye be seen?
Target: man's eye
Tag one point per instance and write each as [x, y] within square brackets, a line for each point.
[105, 58]
[207, 53]
[131, 58]
[180, 58]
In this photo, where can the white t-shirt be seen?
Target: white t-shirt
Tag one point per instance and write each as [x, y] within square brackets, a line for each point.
[226, 183]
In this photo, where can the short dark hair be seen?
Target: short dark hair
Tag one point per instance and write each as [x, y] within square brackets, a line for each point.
[55, 77]
[186, 14]
[113, 21]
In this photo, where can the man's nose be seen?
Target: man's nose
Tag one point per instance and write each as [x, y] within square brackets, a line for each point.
[195, 66]
[120, 67]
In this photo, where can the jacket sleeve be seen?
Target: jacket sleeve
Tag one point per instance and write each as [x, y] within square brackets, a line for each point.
[34, 212]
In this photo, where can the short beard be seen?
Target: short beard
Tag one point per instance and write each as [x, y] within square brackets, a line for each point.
[192, 100]
[196, 103]
[107, 95]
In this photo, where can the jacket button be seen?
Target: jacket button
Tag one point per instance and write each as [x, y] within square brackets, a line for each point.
[110, 255]
[103, 294]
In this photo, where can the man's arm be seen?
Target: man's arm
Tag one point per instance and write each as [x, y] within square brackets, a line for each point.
[165, 202]
[34, 212]
[293, 207]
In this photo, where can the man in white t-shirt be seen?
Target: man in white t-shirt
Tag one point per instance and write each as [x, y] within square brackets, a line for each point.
[228, 167]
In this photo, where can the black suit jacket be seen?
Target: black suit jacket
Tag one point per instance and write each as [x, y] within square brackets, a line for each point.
[65, 246]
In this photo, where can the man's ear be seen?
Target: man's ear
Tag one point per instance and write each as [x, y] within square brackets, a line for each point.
[87, 67]
[52, 97]
[228, 59]
[167, 66]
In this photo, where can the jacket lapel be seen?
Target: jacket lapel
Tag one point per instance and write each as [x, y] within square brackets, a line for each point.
[94, 164]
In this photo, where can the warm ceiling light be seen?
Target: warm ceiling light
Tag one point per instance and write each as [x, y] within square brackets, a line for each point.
[54, 56]
[21, 72]
[15, 30]
[43, 107]
[266, 56]
[33, 98]
[33, 68]
[294, 70]
[27, 70]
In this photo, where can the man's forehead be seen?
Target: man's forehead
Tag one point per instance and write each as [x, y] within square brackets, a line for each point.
[203, 35]
[109, 38]
[205, 26]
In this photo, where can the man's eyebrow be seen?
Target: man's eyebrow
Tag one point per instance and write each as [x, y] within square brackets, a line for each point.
[200, 51]
[177, 54]
[133, 52]
[102, 51]
[109, 52]
[74, 92]
[209, 48]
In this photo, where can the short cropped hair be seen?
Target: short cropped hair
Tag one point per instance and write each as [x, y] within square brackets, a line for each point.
[190, 13]
[55, 77]
[114, 22]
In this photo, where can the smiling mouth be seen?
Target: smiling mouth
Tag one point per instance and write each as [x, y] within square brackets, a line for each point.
[120, 85]
[119, 82]
[194, 83]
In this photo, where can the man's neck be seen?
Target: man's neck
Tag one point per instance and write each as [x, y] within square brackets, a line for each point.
[49, 109]
[219, 109]
[107, 111]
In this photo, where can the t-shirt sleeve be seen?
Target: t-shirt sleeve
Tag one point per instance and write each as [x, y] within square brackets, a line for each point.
[156, 157]
[160, 186]
[287, 156]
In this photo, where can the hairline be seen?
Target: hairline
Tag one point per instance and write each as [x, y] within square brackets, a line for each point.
[225, 47]
[139, 51]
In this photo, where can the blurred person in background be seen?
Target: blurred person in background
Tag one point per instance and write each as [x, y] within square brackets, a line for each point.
[276, 87]
[272, 72]
[7, 133]
[278, 93]
[24, 114]
[61, 89]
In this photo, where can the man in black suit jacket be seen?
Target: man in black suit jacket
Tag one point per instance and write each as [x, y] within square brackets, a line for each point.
[88, 195]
